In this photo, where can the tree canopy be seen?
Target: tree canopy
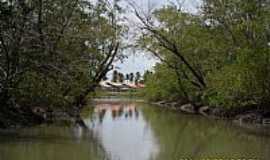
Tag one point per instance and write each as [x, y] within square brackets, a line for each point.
[54, 52]
[219, 56]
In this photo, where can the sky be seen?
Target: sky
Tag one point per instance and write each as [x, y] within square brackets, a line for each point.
[140, 62]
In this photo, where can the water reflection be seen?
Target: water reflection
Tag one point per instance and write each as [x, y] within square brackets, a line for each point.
[172, 135]
[122, 130]
[186, 136]
[127, 130]
[117, 110]
[51, 143]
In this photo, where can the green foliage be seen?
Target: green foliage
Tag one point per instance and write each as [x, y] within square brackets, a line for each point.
[162, 85]
[55, 51]
[226, 47]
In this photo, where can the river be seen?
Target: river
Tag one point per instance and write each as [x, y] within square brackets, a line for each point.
[121, 129]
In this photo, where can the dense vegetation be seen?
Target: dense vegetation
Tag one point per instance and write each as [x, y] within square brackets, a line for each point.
[219, 56]
[54, 52]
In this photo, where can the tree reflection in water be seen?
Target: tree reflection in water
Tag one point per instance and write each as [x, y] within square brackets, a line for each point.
[163, 134]
[52, 143]
[117, 110]
[123, 132]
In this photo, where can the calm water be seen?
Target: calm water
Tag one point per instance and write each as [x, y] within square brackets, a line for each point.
[129, 130]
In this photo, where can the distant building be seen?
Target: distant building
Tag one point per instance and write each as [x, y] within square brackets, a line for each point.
[119, 87]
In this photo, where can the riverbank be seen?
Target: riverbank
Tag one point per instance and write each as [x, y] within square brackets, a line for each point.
[21, 117]
[124, 129]
[16, 117]
[248, 114]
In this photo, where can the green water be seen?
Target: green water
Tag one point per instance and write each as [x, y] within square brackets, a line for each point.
[129, 130]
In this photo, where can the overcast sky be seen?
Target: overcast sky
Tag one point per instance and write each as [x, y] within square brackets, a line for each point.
[141, 61]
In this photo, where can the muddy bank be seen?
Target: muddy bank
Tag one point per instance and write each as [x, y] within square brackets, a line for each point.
[248, 114]
[20, 117]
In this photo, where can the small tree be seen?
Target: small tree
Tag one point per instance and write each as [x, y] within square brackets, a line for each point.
[121, 77]
[138, 77]
[115, 76]
[127, 77]
[131, 77]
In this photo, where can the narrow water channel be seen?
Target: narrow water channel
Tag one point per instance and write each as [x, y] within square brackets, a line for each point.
[129, 130]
